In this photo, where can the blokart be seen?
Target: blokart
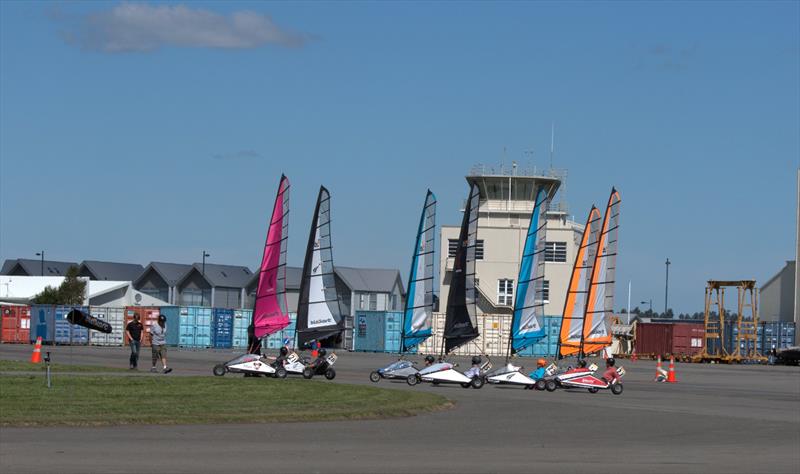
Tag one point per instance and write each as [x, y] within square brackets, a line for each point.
[250, 364]
[322, 365]
[444, 372]
[401, 369]
[509, 374]
[585, 378]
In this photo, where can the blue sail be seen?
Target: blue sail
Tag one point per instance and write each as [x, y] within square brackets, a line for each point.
[419, 300]
[526, 325]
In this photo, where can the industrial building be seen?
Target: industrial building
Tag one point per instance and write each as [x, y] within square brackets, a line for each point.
[506, 203]
[34, 267]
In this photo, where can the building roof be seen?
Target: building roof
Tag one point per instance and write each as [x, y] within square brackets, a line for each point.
[373, 280]
[33, 267]
[170, 272]
[789, 263]
[230, 276]
[97, 270]
[293, 277]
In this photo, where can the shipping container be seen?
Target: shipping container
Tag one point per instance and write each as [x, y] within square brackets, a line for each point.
[222, 328]
[377, 331]
[16, 323]
[285, 336]
[779, 334]
[42, 323]
[148, 315]
[241, 320]
[679, 339]
[66, 332]
[113, 316]
[173, 315]
[195, 327]
[547, 346]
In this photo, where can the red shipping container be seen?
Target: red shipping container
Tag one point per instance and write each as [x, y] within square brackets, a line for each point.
[669, 338]
[147, 315]
[16, 324]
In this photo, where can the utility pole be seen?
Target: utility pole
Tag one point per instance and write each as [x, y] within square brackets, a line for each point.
[629, 303]
[205, 254]
[666, 288]
[42, 255]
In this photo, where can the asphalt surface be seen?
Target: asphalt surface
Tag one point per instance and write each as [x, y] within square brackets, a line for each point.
[731, 419]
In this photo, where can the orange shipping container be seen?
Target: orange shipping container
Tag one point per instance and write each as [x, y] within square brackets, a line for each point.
[148, 315]
[16, 324]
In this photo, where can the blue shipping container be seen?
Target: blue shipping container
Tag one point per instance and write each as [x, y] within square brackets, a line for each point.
[548, 345]
[67, 333]
[222, 328]
[378, 331]
[173, 315]
[276, 339]
[195, 327]
[43, 323]
[241, 320]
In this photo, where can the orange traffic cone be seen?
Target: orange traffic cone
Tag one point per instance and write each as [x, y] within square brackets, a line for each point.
[633, 356]
[36, 357]
[671, 374]
[659, 370]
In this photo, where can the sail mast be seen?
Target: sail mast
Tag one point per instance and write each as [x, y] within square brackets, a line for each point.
[571, 333]
[270, 310]
[460, 325]
[526, 323]
[319, 315]
[418, 309]
[600, 300]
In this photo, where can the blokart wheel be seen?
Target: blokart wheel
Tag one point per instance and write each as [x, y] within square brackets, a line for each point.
[530, 387]
[308, 372]
[541, 384]
[466, 385]
[280, 373]
[550, 386]
[330, 374]
[374, 377]
[435, 382]
[593, 390]
[477, 382]
[412, 380]
[616, 389]
[219, 370]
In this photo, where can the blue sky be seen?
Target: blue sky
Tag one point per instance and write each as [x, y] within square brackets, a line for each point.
[139, 132]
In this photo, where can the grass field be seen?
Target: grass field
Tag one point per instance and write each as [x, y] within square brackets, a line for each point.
[92, 400]
[24, 366]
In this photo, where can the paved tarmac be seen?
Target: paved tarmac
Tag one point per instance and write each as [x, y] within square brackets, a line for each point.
[731, 419]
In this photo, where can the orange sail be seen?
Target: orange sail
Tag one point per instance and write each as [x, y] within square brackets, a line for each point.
[570, 339]
[600, 302]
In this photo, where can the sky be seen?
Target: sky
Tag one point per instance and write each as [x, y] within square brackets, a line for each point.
[153, 131]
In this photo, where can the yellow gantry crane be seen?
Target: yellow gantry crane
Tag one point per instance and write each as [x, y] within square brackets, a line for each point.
[746, 344]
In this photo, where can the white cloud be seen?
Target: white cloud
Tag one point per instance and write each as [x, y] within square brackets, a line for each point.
[130, 27]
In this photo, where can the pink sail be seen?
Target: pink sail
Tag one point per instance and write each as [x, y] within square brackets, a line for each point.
[270, 313]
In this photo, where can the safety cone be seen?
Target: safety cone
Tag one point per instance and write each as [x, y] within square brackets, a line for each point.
[671, 374]
[659, 370]
[633, 356]
[36, 357]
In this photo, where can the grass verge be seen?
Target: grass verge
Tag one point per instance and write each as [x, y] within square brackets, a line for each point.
[90, 400]
[24, 366]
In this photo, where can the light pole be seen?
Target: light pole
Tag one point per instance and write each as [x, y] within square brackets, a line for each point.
[666, 287]
[650, 303]
[42, 255]
[205, 254]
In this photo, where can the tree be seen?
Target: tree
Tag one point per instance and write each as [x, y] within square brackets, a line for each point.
[71, 292]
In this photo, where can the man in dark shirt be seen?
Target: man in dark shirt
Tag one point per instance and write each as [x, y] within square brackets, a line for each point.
[134, 332]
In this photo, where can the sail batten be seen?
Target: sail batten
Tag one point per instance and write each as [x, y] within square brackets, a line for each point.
[571, 334]
[526, 323]
[600, 300]
[318, 312]
[270, 311]
[419, 299]
[461, 318]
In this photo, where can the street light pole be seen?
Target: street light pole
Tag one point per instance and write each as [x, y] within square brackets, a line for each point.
[205, 254]
[650, 303]
[666, 287]
[42, 255]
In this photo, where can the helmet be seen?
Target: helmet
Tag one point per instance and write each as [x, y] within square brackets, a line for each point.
[610, 362]
[161, 317]
[541, 363]
[322, 352]
[284, 351]
[429, 359]
[476, 360]
[582, 363]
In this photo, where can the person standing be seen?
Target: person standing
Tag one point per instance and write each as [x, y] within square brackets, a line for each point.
[134, 332]
[158, 343]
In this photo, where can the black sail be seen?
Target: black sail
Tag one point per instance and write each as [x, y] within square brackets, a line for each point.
[460, 324]
[318, 313]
